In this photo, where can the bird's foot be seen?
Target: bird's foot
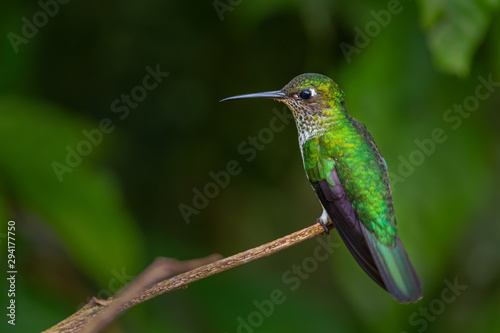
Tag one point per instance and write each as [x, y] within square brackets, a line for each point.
[323, 220]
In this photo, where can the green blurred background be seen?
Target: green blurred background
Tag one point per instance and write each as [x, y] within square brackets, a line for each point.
[404, 67]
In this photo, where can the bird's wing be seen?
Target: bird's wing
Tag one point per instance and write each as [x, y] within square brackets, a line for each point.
[387, 265]
[335, 202]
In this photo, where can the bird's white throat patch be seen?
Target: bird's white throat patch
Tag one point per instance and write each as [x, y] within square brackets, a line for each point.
[309, 123]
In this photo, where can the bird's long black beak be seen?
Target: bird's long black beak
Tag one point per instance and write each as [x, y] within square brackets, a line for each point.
[278, 94]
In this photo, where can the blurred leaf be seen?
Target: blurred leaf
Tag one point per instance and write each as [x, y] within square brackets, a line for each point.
[455, 28]
[85, 208]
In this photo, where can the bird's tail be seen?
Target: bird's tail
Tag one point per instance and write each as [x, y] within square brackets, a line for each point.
[400, 278]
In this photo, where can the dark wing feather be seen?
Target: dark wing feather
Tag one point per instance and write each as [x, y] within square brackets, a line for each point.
[340, 210]
[387, 266]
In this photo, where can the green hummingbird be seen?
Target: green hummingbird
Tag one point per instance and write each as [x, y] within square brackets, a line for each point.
[349, 176]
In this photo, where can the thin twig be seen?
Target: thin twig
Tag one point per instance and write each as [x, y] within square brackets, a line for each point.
[83, 317]
[160, 269]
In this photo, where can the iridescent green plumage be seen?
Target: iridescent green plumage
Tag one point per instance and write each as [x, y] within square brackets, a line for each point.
[350, 178]
[361, 171]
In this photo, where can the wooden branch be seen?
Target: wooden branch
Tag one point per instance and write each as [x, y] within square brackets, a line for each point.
[162, 268]
[97, 313]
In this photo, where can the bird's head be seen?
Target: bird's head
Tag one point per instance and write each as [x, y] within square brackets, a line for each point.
[316, 102]
[306, 95]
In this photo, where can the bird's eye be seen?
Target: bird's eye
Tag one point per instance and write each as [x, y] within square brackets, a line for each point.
[305, 94]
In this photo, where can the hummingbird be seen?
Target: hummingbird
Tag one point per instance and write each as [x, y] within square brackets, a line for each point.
[349, 176]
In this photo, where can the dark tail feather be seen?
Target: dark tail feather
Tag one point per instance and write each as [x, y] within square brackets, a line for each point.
[395, 268]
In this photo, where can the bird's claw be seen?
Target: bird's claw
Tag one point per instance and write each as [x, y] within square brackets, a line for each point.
[323, 220]
[323, 224]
